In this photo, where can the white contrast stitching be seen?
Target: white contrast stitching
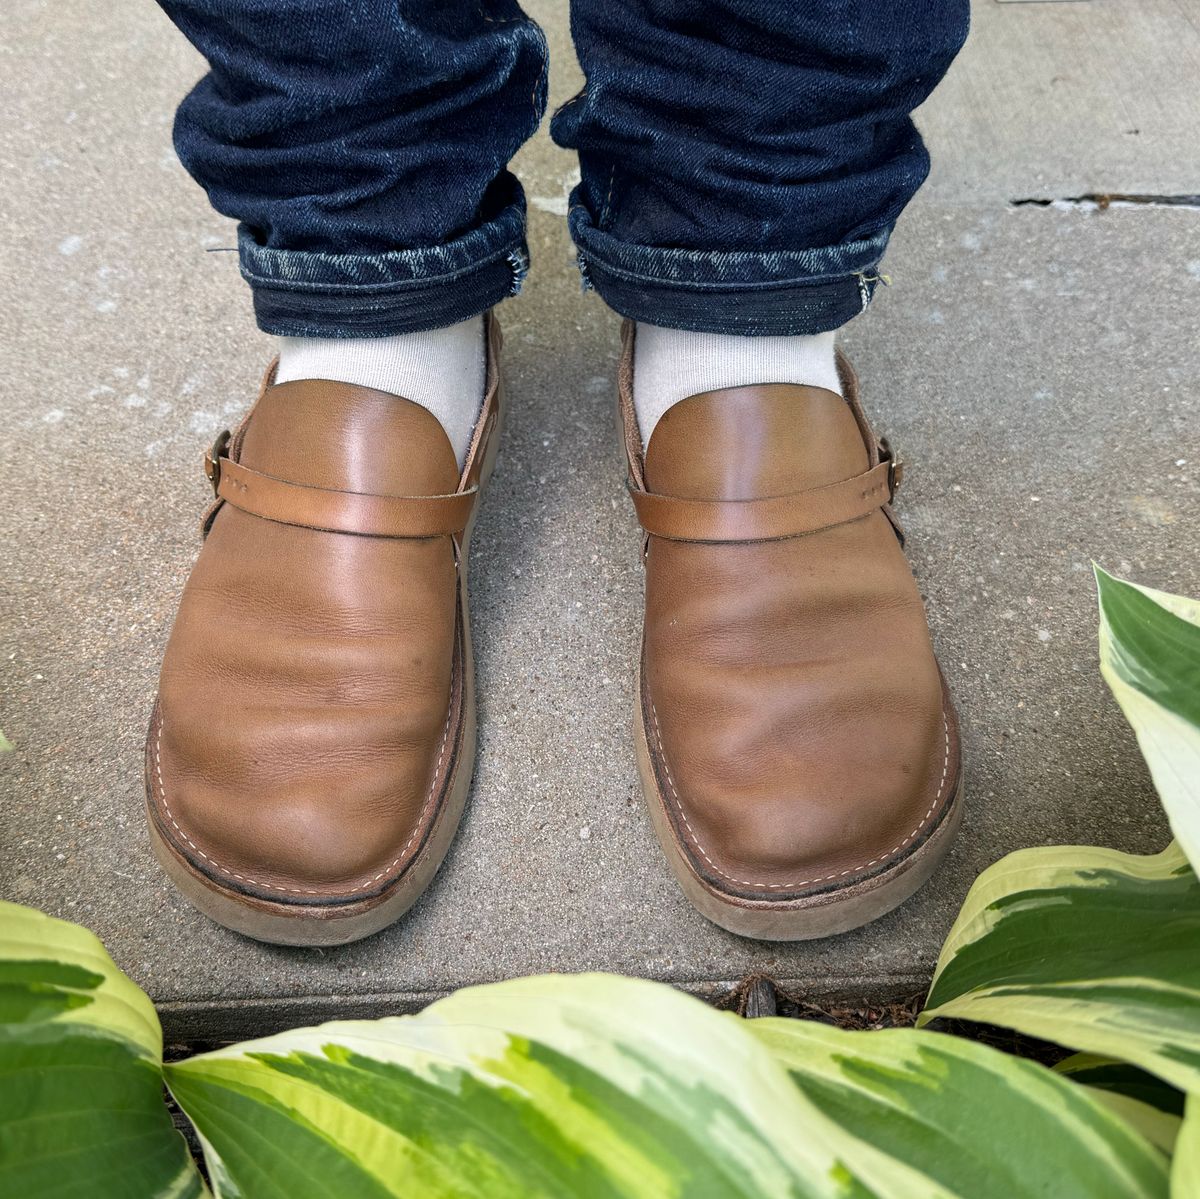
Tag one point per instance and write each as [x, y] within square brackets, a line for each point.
[741, 882]
[256, 882]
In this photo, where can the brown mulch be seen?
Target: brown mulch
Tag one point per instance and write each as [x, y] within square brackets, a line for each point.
[761, 995]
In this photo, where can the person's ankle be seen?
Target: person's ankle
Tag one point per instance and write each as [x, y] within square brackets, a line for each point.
[672, 364]
[443, 370]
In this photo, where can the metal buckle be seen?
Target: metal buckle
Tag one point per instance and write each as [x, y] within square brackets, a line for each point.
[212, 460]
[895, 467]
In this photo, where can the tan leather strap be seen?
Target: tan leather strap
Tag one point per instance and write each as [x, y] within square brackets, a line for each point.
[768, 519]
[339, 511]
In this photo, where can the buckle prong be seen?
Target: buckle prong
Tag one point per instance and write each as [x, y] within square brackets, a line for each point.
[895, 465]
[212, 460]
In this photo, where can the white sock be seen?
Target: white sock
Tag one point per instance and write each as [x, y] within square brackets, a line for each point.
[671, 364]
[443, 370]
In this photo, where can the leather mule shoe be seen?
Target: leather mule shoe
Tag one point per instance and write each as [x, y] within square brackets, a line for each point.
[312, 743]
[797, 744]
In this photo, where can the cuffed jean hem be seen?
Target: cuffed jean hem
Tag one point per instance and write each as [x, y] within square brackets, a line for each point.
[749, 293]
[300, 293]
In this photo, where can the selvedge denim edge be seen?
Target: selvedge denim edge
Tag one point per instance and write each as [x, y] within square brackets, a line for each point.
[299, 293]
[755, 293]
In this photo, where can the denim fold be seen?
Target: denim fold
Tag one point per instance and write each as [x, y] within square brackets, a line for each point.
[771, 293]
[313, 293]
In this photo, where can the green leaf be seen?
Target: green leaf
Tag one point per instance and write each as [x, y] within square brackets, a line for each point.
[1150, 657]
[973, 1121]
[580, 1086]
[1109, 1074]
[5, 743]
[1091, 948]
[1144, 1102]
[81, 1102]
[1185, 1169]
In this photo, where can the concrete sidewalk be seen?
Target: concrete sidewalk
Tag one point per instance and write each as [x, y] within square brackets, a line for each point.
[1036, 363]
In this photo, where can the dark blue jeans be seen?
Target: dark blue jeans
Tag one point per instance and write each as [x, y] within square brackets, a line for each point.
[743, 161]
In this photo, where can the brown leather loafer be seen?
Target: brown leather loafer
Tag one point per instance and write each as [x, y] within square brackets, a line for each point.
[312, 743]
[798, 748]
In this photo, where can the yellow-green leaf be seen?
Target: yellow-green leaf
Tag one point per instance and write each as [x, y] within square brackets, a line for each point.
[1091, 948]
[1153, 1107]
[1150, 657]
[1185, 1169]
[974, 1122]
[558, 1087]
[81, 1100]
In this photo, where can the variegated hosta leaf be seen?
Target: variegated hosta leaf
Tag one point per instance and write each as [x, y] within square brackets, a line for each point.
[1144, 1102]
[1150, 657]
[558, 1087]
[1091, 948]
[81, 1099]
[972, 1120]
[1185, 1169]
